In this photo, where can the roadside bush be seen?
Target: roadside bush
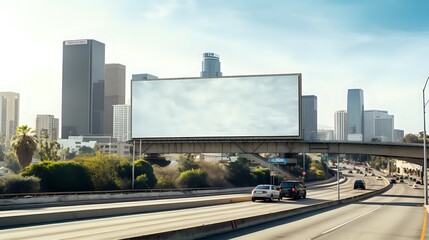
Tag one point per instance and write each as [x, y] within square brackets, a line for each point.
[141, 182]
[101, 169]
[216, 175]
[166, 182]
[262, 175]
[194, 178]
[238, 173]
[60, 176]
[12, 183]
[143, 167]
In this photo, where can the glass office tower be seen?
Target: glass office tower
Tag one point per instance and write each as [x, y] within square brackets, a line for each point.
[83, 88]
[355, 115]
[211, 65]
[309, 118]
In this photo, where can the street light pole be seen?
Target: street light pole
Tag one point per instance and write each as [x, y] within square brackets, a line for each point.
[425, 177]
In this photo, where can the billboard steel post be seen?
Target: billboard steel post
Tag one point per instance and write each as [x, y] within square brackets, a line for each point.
[338, 176]
[425, 177]
[134, 156]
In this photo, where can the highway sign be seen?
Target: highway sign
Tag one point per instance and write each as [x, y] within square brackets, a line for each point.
[278, 160]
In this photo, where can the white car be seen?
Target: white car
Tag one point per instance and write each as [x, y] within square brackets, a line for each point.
[265, 192]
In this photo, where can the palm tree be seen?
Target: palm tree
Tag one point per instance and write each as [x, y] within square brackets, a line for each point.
[24, 142]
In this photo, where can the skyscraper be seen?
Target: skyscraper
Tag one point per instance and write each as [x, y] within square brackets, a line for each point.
[47, 125]
[122, 122]
[340, 125]
[355, 109]
[211, 65]
[9, 114]
[309, 117]
[83, 88]
[378, 125]
[114, 93]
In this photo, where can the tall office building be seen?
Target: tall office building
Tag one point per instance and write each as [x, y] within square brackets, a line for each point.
[398, 135]
[325, 135]
[47, 126]
[378, 125]
[211, 65]
[340, 125]
[355, 109]
[9, 114]
[122, 122]
[83, 88]
[114, 93]
[309, 118]
[143, 76]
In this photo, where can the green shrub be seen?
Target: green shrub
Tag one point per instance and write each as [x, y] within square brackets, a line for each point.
[143, 167]
[12, 183]
[141, 182]
[165, 183]
[194, 178]
[262, 175]
[60, 176]
[238, 173]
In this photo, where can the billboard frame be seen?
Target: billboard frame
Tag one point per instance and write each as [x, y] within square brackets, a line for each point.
[226, 138]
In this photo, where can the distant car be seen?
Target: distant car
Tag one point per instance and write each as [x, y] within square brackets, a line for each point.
[401, 180]
[359, 184]
[419, 182]
[401, 177]
[378, 178]
[293, 189]
[265, 192]
[366, 174]
[350, 171]
[373, 174]
[392, 181]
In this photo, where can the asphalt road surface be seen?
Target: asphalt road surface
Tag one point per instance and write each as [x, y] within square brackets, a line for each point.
[396, 214]
[162, 221]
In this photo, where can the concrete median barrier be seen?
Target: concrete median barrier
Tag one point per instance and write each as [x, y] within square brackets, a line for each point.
[29, 217]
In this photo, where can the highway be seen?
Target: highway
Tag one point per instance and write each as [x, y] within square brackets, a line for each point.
[135, 225]
[395, 214]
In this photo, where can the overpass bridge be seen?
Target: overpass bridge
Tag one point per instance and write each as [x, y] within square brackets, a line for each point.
[405, 151]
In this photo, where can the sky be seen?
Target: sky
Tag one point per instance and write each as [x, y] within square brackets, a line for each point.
[380, 46]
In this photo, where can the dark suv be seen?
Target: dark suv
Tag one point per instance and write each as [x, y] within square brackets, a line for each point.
[293, 189]
[359, 184]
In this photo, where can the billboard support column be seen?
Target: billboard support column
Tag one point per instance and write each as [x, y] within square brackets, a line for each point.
[134, 156]
[140, 151]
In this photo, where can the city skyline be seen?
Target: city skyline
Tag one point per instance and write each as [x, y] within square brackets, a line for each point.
[377, 47]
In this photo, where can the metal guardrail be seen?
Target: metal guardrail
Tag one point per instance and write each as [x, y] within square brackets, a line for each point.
[108, 192]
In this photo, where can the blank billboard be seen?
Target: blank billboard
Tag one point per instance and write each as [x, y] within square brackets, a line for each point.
[249, 107]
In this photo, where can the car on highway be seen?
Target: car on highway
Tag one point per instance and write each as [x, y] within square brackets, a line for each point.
[373, 174]
[350, 171]
[419, 182]
[378, 178]
[393, 181]
[265, 192]
[292, 189]
[359, 184]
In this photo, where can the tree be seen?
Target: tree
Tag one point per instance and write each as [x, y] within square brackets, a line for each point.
[84, 150]
[24, 142]
[187, 162]
[11, 162]
[49, 150]
[238, 173]
[412, 138]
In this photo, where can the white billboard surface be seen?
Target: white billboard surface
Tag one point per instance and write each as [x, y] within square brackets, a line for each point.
[231, 107]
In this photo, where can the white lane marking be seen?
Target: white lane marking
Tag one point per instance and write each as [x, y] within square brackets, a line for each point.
[345, 223]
